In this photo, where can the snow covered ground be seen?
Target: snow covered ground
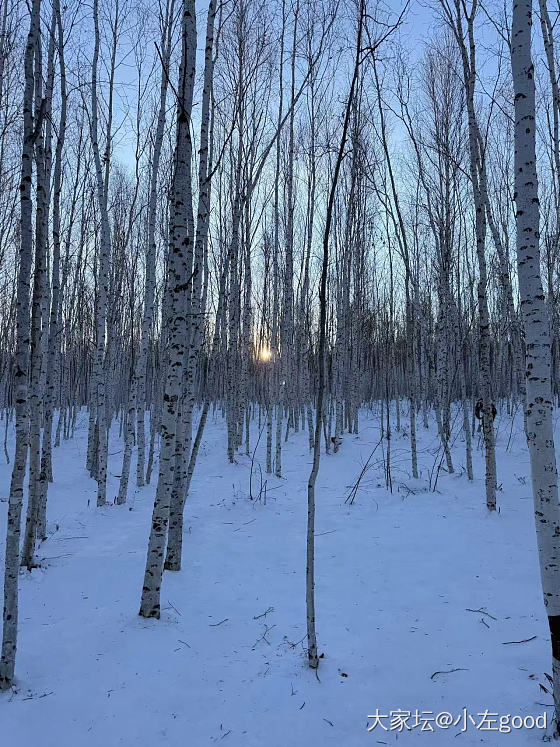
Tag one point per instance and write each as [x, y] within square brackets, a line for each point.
[399, 581]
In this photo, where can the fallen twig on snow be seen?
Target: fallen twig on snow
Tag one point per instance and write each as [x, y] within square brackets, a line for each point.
[482, 612]
[263, 637]
[244, 525]
[523, 640]
[173, 607]
[264, 614]
[449, 671]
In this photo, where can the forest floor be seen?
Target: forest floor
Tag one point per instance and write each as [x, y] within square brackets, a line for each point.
[421, 597]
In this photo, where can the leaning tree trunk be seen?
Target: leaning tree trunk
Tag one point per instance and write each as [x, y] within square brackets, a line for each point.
[178, 283]
[9, 639]
[37, 324]
[175, 532]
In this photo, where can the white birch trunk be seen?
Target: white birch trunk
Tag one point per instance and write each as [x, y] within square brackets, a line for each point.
[10, 616]
[179, 280]
[540, 435]
[104, 256]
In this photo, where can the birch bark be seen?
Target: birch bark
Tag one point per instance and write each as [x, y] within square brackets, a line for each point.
[179, 279]
[540, 436]
[104, 257]
[10, 615]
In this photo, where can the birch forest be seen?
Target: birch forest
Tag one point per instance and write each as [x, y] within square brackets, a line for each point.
[279, 372]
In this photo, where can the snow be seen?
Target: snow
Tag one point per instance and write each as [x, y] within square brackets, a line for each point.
[396, 576]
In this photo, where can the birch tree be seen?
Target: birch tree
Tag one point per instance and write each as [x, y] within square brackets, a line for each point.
[31, 129]
[179, 279]
[540, 436]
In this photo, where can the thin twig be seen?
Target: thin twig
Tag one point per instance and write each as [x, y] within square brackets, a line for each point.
[524, 640]
[449, 671]
[264, 614]
[482, 612]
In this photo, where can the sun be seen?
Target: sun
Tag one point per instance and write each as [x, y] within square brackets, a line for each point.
[265, 355]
